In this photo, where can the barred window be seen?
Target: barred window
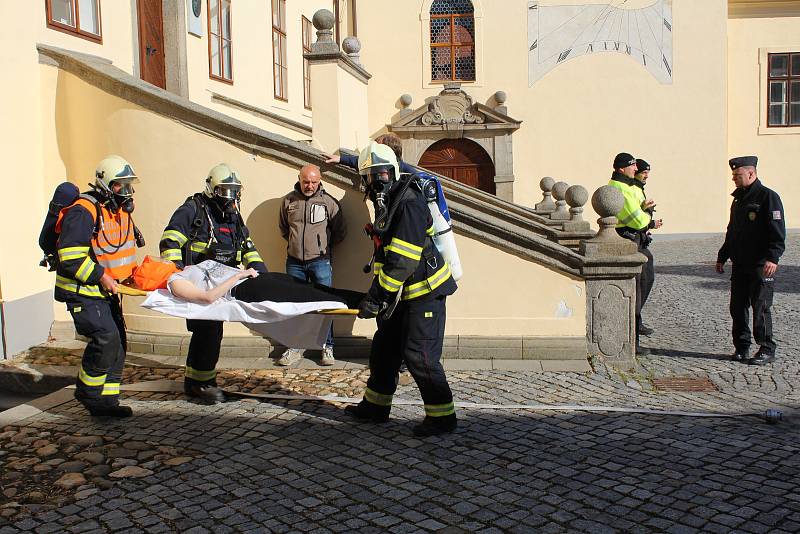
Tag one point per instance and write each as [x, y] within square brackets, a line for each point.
[452, 40]
[279, 62]
[783, 88]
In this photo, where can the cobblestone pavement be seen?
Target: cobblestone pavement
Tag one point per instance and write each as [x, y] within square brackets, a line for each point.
[276, 466]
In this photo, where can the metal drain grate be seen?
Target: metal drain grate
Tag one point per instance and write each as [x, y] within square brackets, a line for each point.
[684, 383]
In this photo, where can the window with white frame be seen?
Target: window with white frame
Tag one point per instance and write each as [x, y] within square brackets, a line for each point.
[783, 89]
[78, 17]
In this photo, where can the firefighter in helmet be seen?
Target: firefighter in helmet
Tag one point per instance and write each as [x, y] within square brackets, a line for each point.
[96, 250]
[209, 226]
[407, 297]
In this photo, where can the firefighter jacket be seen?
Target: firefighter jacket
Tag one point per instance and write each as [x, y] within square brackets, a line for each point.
[757, 228]
[632, 215]
[199, 230]
[407, 259]
[88, 247]
[311, 225]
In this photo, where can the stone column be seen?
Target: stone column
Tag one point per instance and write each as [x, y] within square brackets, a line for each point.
[338, 90]
[610, 265]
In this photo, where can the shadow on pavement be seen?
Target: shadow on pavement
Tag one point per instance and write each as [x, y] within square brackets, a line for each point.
[787, 279]
[688, 354]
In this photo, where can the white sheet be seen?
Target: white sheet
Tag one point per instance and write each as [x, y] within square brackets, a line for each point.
[285, 322]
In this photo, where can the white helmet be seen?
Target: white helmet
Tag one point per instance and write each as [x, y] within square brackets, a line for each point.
[375, 159]
[114, 169]
[223, 182]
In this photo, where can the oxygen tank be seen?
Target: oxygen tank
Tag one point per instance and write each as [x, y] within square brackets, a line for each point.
[443, 237]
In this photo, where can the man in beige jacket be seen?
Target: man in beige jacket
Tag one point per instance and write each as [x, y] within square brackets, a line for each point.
[311, 221]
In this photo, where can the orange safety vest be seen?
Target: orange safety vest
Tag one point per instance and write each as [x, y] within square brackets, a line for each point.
[114, 245]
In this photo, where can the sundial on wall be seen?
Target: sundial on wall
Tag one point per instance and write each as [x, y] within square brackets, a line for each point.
[640, 29]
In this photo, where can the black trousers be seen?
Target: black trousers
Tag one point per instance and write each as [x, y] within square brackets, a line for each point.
[749, 289]
[644, 284]
[100, 375]
[201, 362]
[414, 334]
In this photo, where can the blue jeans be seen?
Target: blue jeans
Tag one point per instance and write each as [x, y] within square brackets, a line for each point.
[316, 271]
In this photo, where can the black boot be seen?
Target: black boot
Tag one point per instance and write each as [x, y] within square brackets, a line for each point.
[206, 393]
[366, 411]
[433, 426]
[761, 358]
[110, 410]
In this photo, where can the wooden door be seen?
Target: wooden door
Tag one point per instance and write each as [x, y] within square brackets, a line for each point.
[463, 160]
[151, 42]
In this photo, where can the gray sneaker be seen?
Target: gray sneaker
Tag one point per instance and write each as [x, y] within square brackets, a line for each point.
[327, 356]
[290, 356]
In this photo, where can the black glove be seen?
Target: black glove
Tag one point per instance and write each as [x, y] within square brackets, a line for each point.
[368, 308]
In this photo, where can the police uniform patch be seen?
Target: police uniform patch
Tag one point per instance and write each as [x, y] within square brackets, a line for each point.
[776, 215]
[751, 215]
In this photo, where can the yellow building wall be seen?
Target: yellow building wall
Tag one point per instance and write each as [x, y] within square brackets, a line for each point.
[251, 31]
[585, 111]
[172, 162]
[749, 40]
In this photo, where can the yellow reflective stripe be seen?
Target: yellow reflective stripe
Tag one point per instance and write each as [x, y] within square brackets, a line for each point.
[376, 267]
[174, 235]
[72, 253]
[426, 286]
[85, 270]
[68, 284]
[430, 231]
[631, 217]
[378, 398]
[202, 376]
[110, 388]
[171, 254]
[439, 410]
[238, 256]
[404, 248]
[89, 380]
[388, 283]
[199, 247]
[252, 256]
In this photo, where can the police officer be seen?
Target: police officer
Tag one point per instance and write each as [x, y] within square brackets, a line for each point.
[633, 222]
[754, 242]
[209, 226]
[648, 269]
[407, 296]
[96, 249]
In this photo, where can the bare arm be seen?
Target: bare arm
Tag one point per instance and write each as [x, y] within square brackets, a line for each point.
[186, 290]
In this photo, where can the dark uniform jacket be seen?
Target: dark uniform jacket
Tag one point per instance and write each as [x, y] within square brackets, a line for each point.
[757, 229]
[311, 224]
[407, 257]
[194, 235]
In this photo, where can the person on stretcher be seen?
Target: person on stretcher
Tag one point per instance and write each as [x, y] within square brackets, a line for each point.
[209, 281]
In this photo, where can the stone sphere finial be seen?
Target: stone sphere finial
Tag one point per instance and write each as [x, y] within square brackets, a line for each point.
[607, 201]
[547, 183]
[323, 20]
[576, 196]
[406, 99]
[559, 190]
[351, 46]
[547, 205]
[500, 97]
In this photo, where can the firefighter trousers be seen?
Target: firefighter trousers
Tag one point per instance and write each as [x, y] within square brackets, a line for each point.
[749, 289]
[414, 334]
[100, 375]
[201, 362]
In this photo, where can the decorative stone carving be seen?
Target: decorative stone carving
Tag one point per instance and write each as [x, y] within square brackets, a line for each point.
[324, 21]
[451, 107]
[576, 197]
[610, 310]
[546, 205]
[561, 212]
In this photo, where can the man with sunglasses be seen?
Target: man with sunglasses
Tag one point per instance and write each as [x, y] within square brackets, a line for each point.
[209, 226]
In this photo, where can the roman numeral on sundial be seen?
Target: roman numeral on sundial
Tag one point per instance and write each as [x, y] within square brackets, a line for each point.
[667, 24]
[563, 55]
[666, 64]
[535, 44]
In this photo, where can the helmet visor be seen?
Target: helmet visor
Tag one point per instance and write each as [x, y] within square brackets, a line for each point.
[228, 191]
[123, 189]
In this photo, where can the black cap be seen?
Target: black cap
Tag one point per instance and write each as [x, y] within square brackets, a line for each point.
[641, 166]
[623, 160]
[743, 161]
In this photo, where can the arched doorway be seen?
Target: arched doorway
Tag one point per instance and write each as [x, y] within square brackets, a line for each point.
[462, 160]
